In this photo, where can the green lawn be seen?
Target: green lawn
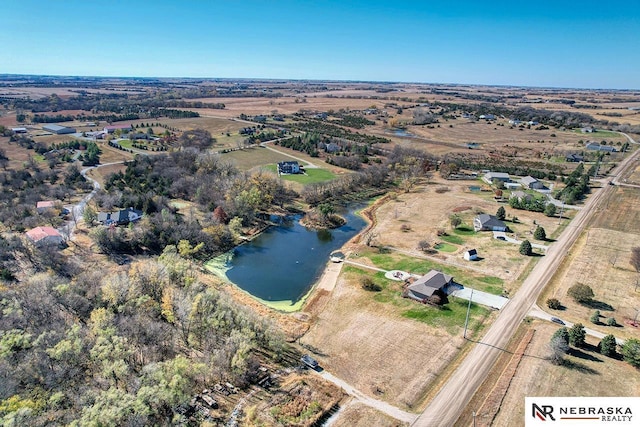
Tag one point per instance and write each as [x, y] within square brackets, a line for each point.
[450, 317]
[126, 143]
[456, 240]
[310, 176]
[445, 247]
[600, 133]
[465, 230]
[396, 261]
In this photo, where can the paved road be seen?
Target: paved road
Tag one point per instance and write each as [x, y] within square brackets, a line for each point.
[454, 396]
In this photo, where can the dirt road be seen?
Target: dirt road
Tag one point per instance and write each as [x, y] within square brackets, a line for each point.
[452, 399]
[369, 401]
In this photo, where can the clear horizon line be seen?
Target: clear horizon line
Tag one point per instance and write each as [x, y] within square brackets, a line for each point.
[319, 80]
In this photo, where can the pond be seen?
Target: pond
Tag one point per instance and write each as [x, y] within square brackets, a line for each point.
[280, 266]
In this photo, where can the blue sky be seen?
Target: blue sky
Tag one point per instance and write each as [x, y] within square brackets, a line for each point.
[592, 44]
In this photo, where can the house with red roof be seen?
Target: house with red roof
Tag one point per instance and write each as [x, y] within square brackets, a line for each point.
[44, 236]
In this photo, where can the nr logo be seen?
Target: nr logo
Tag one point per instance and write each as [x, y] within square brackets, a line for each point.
[543, 412]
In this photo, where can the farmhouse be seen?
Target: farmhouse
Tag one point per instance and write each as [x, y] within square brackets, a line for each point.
[57, 129]
[531, 183]
[493, 177]
[44, 236]
[287, 168]
[485, 222]
[120, 217]
[599, 147]
[113, 128]
[575, 158]
[521, 196]
[471, 255]
[432, 283]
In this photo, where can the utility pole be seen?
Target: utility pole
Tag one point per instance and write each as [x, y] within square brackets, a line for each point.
[466, 322]
[561, 211]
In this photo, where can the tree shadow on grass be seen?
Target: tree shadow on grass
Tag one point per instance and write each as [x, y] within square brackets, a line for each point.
[598, 305]
[582, 355]
[580, 367]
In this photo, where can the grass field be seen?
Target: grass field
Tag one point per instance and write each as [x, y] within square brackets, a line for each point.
[310, 176]
[250, 158]
[396, 261]
[585, 373]
[445, 247]
[600, 259]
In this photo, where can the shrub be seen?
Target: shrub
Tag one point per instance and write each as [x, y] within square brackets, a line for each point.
[612, 322]
[424, 245]
[581, 293]
[550, 209]
[442, 189]
[369, 285]
[595, 317]
[405, 228]
[577, 335]
[554, 303]
[630, 351]
[540, 234]
[501, 214]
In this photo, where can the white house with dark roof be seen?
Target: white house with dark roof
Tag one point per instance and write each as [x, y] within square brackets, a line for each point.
[470, 255]
[485, 222]
[531, 183]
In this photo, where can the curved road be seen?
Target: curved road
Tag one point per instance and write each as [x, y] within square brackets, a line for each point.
[452, 399]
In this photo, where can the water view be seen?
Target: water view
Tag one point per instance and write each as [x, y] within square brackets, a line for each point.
[281, 265]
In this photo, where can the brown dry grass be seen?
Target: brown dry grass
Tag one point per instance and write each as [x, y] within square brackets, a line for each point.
[600, 259]
[359, 415]
[425, 211]
[588, 374]
[370, 346]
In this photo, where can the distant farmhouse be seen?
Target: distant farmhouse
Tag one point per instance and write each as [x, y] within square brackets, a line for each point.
[288, 168]
[434, 283]
[599, 147]
[45, 205]
[57, 129]
[121, 217]
[493, 177]
[44, 236]
[575, 158]
[113, 128]
[521, 196]
[485, 222]
[531, 183]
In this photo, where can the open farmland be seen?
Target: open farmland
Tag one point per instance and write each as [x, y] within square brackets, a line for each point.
[600, 259]
[586, 373]
[249, 158]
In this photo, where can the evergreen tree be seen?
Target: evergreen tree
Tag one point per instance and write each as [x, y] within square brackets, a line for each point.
[607, 346]
[577, 335]
[525, 248]
[540, 234]
[501, 214]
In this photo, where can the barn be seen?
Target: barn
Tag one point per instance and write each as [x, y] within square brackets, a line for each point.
[57, 129]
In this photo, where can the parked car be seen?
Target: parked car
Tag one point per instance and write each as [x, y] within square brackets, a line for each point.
[556, 320]
[309, 361]
[501, 238]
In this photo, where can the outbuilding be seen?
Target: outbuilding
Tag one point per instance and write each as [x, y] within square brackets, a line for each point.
[471, 255]
[57, 129]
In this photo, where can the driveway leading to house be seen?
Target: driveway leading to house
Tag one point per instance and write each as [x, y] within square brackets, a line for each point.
[479, 297]
[501, 235]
